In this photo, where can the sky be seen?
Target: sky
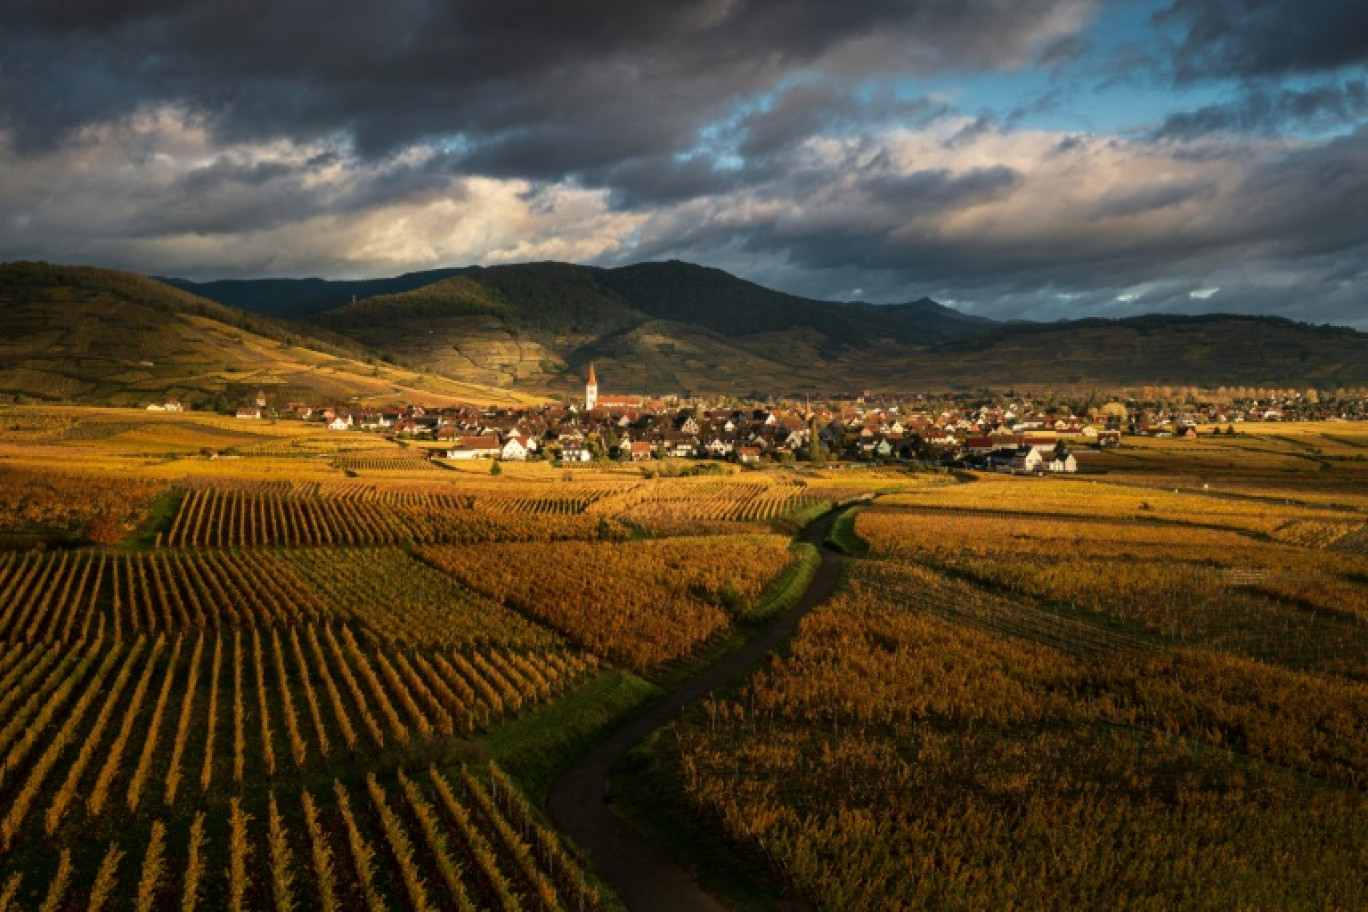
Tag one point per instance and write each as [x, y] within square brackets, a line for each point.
[1017, 159]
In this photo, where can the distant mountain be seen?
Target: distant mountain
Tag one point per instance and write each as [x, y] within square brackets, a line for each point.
[97, 336]
[652, 327]
[716, 300]
[677, 327]
[293, 299]
[1208, 350]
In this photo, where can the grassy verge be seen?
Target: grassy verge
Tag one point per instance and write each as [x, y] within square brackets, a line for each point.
[648, 791]
[779, 596]
[842, 536]
[798, 520]
[788, 587]
[159, 519]
[537, 747]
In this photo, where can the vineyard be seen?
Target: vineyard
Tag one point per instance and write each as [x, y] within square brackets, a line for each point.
[163, 729]
[685, 501]
[1291, 605]
[385, 461]
[214, 518]
[922, 747]
[270, 687]
[267, 666]
[642, 604]
[428, 840]
[1195, 509]
[383, 591]
[70, 504]
[1058, 694]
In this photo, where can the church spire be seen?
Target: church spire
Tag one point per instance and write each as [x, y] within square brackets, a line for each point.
[591, 390]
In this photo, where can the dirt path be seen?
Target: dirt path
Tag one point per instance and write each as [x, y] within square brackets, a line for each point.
[643, 878]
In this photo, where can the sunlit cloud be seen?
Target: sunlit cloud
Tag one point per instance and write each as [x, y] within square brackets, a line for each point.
[874, 149]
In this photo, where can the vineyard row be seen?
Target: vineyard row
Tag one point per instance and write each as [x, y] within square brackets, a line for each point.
[424, 841]
[155, 721]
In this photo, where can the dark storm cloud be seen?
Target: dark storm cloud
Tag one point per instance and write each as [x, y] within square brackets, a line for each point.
[923, 192]
[1271, 111]
[1148, 199]
[233, 196]
[779, 138]
[761, 142]
[533, 87]
[1312, 201]
[657, 180]
[805, 110]
[1285, 237]
[1266, 38]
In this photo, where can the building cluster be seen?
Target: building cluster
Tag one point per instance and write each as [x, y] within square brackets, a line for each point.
[1014, 434]
[1008, 438]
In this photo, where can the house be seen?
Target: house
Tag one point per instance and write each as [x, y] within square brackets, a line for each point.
[249, 413]
[514, 449]
[681, 449]
[748, 455]
[717, 448]
[637, 451]
[573, 450]
[475, 448]
[1027, 459]
[1067, 464]
[340, 423]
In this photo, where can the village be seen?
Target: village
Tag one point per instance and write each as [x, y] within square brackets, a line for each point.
[1016, 434]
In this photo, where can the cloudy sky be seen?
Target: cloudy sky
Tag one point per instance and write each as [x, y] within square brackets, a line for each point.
[1016, 158]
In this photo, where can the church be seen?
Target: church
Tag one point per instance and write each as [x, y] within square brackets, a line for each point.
[593, 400]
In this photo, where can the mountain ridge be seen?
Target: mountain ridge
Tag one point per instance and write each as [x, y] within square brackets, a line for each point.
[97, 336]
[652, 328]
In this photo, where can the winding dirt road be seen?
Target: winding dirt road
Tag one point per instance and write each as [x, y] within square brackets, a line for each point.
[637, 871]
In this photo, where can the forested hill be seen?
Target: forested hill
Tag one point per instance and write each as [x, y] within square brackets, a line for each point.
[652, 328]
[102, 337]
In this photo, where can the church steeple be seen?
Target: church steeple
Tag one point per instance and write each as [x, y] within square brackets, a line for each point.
[591, 390]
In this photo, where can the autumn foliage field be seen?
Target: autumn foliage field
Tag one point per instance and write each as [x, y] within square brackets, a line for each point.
[268, 666]
[257, 668]
[1140, 690]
